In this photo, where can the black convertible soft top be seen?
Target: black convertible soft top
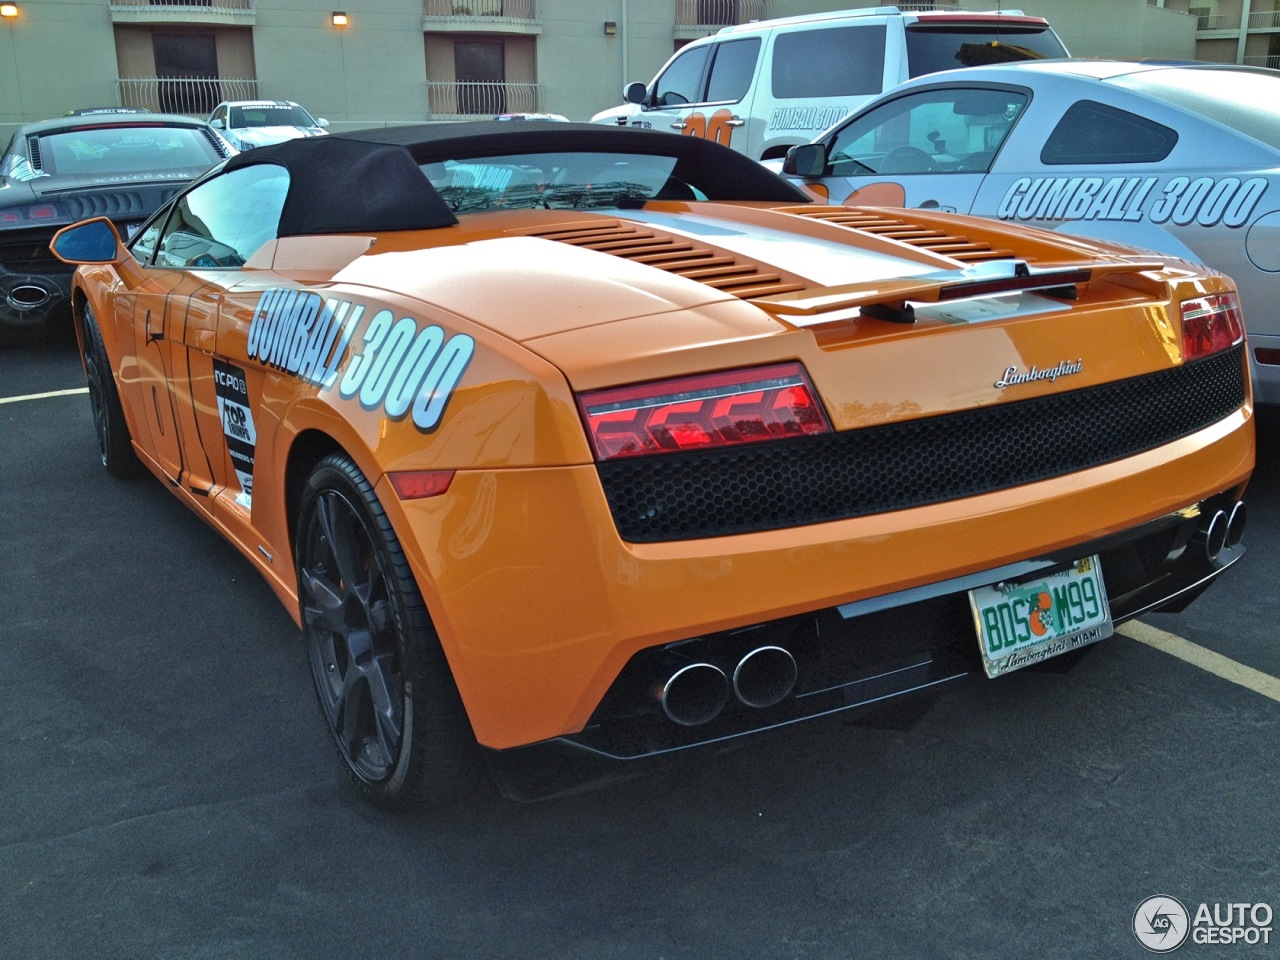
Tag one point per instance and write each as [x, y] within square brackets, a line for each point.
[369, 181]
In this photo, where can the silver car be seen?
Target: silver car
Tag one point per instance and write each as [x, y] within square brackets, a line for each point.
[1183, 158]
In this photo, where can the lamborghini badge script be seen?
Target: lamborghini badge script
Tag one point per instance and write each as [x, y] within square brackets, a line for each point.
[397, 365]
[1013, 375]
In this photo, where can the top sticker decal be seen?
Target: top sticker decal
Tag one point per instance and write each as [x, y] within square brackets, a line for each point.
[1180, 200]
[400, 366]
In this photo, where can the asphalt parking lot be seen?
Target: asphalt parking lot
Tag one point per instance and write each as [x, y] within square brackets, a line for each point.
[168, 790]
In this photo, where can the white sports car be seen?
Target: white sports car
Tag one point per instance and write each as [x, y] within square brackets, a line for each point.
[259, 123]
[1182, 158]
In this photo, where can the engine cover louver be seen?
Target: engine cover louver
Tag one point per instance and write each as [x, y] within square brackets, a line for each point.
[904, 231]
[677, 255]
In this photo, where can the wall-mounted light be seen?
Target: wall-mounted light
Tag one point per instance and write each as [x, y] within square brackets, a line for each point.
[610, 28]
[8, 10]
[340, 18]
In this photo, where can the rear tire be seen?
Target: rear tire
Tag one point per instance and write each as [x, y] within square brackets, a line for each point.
[114, 442]
[381, 677]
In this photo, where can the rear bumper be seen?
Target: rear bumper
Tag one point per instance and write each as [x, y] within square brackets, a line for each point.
[542, 609]
[856, 655]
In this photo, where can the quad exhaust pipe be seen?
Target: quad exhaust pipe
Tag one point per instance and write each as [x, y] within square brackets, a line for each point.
[1224, 530]
[695, 692]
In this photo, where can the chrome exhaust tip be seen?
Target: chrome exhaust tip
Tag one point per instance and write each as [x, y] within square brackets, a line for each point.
[1236, 521]
[24, 296]
[694, 694]
[1215, 535]
[765, 676]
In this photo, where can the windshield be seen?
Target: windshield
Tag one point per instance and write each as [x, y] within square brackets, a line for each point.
[1245, 100]
[556, 181]
[930, 49]
[134, 151]
[270, 115]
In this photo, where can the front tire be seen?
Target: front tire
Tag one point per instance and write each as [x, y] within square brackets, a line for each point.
[381, 677]
[114, 442]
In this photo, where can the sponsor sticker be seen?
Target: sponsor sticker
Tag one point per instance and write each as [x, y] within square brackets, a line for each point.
[397, 364]
[237, 425]
[1182, 201]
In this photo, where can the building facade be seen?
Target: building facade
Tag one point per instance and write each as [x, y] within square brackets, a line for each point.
[371, 62]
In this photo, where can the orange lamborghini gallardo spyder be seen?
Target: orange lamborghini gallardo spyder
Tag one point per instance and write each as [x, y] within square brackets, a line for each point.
[571, 447]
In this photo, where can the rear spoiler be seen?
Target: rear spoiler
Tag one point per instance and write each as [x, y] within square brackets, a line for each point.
[890, 300]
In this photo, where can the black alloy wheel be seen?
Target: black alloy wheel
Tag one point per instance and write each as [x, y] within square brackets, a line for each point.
[108, 415]
[382, 680]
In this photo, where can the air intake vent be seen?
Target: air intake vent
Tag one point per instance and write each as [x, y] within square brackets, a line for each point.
[33, 152]
[119, 205]
[904, 231]
[677, 255]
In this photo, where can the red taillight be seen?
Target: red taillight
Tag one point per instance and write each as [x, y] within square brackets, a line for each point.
[10, 216]
[1210, 324]
[43, 213]
[414, 485]
[710, 410]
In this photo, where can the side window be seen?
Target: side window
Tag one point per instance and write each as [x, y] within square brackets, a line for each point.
[224, 221]
[681, 82]
[144, 244]
[830, 62]
[1092, 132]
[936, 131]
[732, 70]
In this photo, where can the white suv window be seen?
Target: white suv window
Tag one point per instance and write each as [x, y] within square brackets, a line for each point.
[681, 82]
[732, 70]
[829, 62]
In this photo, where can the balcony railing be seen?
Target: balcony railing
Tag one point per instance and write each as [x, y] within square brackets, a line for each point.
[475, 99]
[509, 9]
[1272, 63]
[1267, 19]
[196, 11]
[720, 13]
[196, 96]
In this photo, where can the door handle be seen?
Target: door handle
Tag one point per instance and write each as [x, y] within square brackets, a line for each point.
[678, 125]
[734, 122]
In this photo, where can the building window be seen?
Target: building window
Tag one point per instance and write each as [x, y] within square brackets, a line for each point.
[480, 68]
[187, 68]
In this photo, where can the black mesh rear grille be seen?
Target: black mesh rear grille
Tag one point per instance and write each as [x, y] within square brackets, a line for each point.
[27, 250]
[788, 483]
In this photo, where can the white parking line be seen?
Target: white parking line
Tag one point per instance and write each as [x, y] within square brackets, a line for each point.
[1205, 659]
[43, 396]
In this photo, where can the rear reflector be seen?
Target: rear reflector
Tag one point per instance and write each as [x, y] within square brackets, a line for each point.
[417, 484]
[1210, 324]
[696, 413]
[1268, 357]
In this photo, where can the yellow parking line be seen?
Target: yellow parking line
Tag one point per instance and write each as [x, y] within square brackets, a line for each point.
[42, 396]
[1205, 659]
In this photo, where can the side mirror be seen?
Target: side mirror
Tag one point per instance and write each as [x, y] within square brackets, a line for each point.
[217, 124]
[634, 92]
[806, 160]
[91, 241]
[321, 122]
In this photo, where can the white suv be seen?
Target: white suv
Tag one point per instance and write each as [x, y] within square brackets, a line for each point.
[763, 87]
[256, 123]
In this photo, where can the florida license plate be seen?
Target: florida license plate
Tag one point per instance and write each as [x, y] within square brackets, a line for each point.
[1025, 621]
